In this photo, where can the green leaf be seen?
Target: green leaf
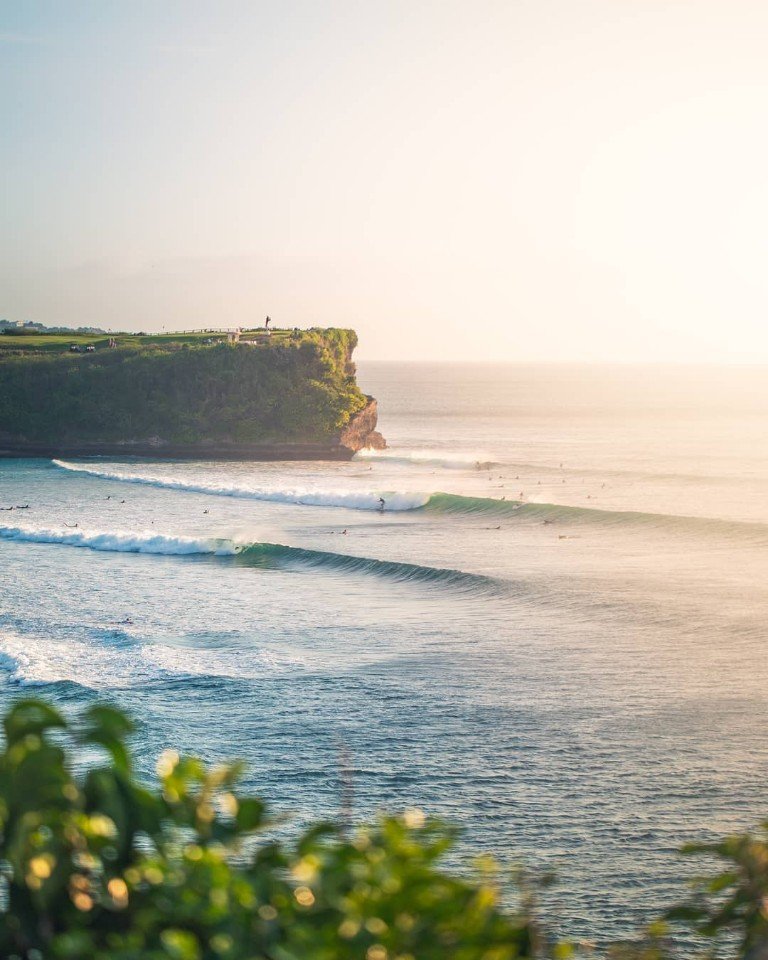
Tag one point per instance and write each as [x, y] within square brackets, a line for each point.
[31, 717]
[250, 814]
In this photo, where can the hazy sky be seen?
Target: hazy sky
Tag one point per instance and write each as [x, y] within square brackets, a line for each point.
[545, 179]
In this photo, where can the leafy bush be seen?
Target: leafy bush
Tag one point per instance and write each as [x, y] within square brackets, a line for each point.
[100, 867]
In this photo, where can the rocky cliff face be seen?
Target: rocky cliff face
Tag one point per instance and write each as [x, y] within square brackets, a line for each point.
[361, 431]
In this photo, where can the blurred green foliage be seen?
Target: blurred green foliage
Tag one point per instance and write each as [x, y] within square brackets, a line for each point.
[98, 866]
[289, 387]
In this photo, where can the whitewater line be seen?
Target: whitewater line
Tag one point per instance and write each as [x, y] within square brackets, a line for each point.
[121, 541]
[362, 500]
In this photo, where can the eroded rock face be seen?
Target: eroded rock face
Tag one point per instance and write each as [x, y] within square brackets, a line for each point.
[361, 430]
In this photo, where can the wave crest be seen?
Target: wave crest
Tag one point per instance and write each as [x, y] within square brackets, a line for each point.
[447, 504]
[120, 541]
[352, 499]
[280, 555]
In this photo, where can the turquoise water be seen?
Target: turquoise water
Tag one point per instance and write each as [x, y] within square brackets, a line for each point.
[575, 673]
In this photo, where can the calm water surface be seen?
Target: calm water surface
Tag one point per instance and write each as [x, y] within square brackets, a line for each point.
[553, 635]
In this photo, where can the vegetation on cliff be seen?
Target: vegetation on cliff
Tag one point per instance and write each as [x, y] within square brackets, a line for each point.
[288, 387]
[97, 866]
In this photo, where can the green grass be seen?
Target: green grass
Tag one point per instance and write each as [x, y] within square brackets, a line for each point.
[60, 343]
[49, 342]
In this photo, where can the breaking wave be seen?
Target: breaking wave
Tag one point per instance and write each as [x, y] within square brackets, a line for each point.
[352, 499]
[119, 541]
[447, 504]
[267, 555]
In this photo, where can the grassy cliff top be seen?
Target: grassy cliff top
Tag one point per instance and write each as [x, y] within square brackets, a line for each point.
[21, 341]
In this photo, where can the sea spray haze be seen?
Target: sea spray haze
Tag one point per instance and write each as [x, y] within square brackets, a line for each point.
[552, 634]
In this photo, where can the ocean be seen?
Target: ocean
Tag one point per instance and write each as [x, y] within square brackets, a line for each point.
[552, 635]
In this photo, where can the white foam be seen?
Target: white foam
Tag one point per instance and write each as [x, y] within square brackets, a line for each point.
[452, 460]
[352, 499]
[120, 541]
[33, 661]
[201, 662]
[100, 663]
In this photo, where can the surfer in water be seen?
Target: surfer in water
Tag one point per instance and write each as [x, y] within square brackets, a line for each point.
[382, 504]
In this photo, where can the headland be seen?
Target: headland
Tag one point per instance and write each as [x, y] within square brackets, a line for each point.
[243, 395]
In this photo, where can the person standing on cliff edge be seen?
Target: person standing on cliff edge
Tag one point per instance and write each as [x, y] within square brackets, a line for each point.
[267, 323]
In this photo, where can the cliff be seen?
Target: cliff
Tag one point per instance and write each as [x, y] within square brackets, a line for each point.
[292, 395]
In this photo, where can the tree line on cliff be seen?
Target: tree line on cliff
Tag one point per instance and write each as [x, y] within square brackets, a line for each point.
[298, 389]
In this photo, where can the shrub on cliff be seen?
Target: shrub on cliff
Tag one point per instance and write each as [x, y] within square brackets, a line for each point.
[101, 867]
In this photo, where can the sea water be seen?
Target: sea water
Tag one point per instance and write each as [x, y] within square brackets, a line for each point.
[552, 635]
